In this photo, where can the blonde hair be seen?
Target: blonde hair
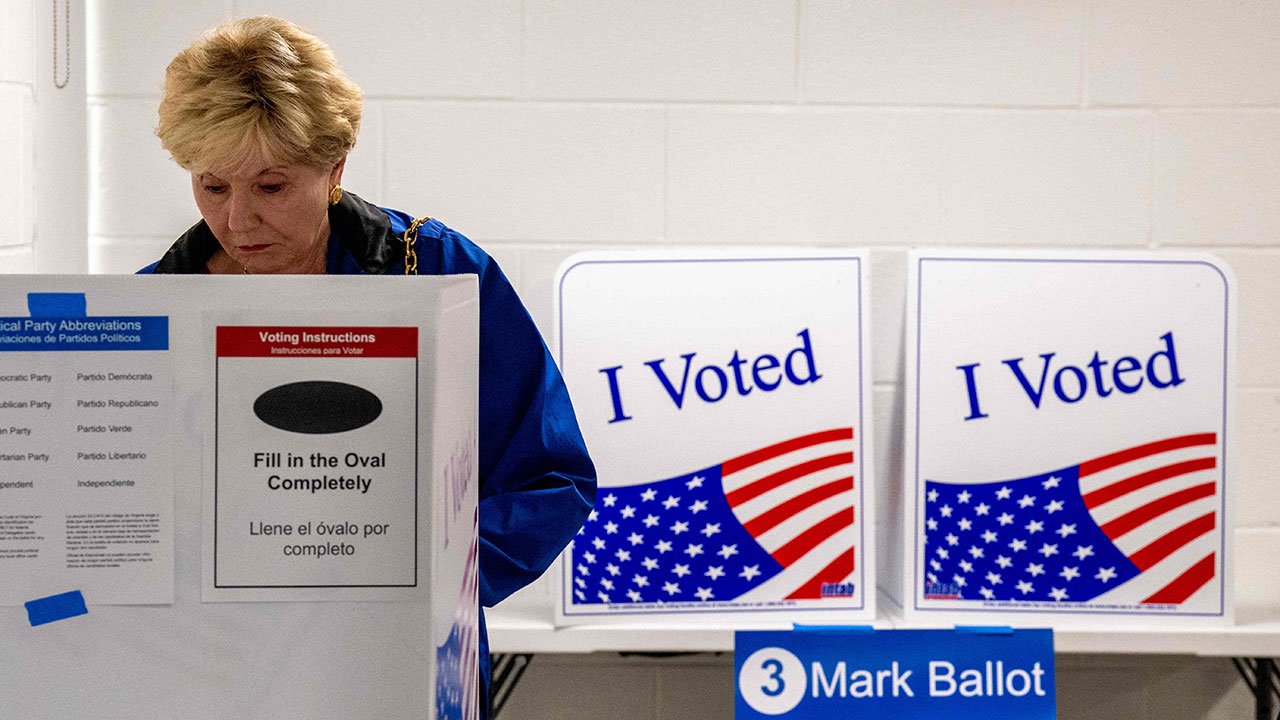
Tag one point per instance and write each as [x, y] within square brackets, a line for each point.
[260, 88]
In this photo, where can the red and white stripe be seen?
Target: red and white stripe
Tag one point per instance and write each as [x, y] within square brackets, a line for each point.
[1159, 503]
[797, 498]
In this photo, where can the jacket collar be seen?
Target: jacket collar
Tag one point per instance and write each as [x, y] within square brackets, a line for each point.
[361, 228]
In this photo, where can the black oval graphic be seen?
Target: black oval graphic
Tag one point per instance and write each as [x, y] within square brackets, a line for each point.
[317, 407]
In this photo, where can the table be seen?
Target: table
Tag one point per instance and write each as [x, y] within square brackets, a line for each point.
[518, 632]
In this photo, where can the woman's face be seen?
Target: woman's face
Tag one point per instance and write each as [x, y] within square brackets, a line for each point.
[269, 217]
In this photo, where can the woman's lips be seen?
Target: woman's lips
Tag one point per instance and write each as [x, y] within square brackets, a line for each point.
[253, 248]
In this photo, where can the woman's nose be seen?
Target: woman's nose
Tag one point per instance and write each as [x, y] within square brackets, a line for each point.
[242, 214]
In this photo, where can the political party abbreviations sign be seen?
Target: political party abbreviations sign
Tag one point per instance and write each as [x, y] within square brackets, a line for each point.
[1068, 437]
[829, 673]
[86, 464]
[724, 398]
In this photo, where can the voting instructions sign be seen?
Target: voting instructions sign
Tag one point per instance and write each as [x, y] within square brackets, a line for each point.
[316, 472]
[724, 396]
[257, 493]
[830, 672]
[1068, 440]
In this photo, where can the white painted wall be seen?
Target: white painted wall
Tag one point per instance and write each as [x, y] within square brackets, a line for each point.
[17, 137]
[61, 136]
[543, 127]
[43, 188]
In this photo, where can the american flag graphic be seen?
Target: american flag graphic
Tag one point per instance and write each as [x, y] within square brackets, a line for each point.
[1136, 525]
[774, 523]
[456, 660]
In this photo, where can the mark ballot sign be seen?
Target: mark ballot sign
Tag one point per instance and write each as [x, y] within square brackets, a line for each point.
[724, 398]
[1068, 438]
[888, 674]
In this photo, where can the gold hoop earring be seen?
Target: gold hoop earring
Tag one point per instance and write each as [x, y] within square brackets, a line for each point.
[335, 194]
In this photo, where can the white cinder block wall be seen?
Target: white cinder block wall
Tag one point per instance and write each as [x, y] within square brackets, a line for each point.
[17, 136]
[544, 127]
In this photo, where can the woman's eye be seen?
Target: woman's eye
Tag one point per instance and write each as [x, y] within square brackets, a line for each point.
[271, 189]
[215, 189]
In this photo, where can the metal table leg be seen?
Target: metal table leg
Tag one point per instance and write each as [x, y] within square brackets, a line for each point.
[507, 671]
[1263, 680]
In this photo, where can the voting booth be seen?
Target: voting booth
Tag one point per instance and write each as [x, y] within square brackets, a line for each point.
[1069, 443]
[725, 397]
[235, 497]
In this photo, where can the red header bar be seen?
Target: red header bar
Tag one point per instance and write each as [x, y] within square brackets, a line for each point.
[329, 342]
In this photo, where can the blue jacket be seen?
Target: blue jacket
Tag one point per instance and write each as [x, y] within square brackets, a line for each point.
[537, 483]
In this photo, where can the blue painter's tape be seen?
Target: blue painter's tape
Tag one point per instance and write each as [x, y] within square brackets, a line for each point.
[985, 629]
[56, 607]
[57, 304]
[832, 628]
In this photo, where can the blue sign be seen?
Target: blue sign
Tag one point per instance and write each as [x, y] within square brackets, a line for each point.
[59, 323]
[978, 673]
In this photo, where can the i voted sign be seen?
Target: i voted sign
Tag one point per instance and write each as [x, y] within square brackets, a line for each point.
[724, 395]
[892, 674]
[1068, 440]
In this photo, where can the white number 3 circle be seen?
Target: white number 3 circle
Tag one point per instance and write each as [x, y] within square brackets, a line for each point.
[772, 681]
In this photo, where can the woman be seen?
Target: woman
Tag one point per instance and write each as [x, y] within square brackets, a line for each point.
[262, 117]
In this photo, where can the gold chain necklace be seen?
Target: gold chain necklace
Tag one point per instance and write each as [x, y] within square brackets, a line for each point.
[411, 255]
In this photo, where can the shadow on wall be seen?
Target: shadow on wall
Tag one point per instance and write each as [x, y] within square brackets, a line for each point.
[1104, 687]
